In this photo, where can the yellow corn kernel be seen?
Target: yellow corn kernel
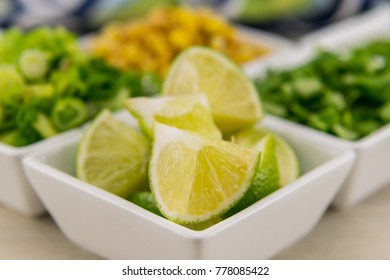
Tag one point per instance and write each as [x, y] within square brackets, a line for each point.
[179, 38]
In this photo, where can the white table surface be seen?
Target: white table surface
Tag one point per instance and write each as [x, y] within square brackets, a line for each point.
[360, 232]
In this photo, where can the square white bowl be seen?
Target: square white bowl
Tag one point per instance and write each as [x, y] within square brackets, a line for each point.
[114, 228]
[371, 171]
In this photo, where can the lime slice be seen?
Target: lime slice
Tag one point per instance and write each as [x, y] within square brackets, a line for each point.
[185, 112]
[288, 164]
[266, 180]
[113, 156]
[195, 179]
[145, 200]
[232, 96]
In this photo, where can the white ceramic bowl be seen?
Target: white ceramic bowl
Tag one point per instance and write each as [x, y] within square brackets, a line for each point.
[114, 228]
[371, 171]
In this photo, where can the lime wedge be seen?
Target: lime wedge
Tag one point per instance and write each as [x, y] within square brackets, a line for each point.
[113, 156]
[266, 180]
[195, 179]
[288, 164]
[232, 96]
[185, 112]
